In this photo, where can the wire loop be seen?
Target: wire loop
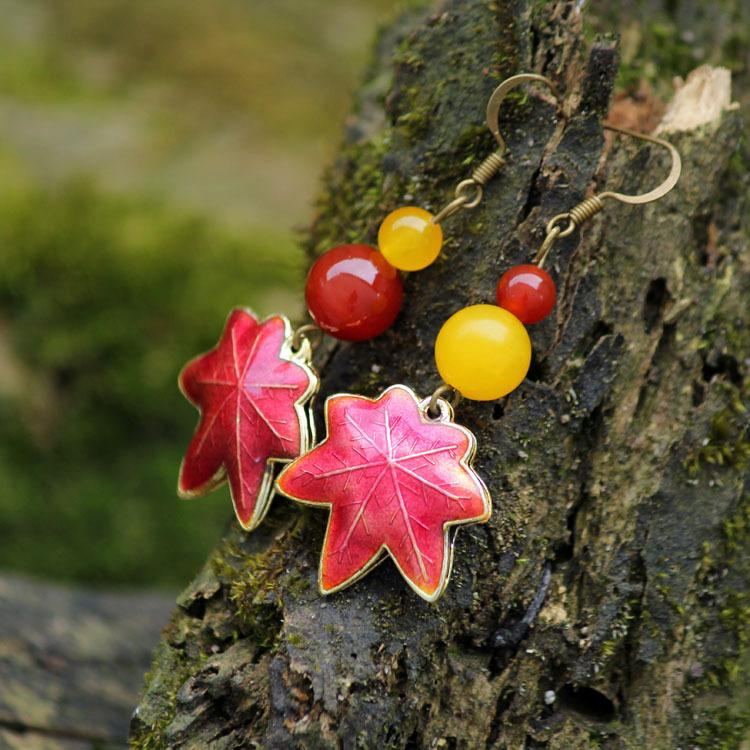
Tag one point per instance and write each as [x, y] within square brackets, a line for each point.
[552, 234]
[464, 187]
[303, 333]
[439, 394]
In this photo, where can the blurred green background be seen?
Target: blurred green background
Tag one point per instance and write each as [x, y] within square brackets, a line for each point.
[155, 159]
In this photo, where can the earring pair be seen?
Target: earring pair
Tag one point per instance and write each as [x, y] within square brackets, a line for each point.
[254, 390]
[395, 471]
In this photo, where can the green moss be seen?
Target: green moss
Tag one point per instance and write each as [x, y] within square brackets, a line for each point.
[719, 703]
[613, 645]
[352, 194]
[296, 585]
[254, 592]
[737, 530]
[408, 57]
[728, 441]
[654, 52]
[296, 640]
[169, 672]
[657, 51]
[662, 51]
[414, 123]
[722, 729]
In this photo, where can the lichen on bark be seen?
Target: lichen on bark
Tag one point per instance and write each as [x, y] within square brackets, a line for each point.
[606, 603]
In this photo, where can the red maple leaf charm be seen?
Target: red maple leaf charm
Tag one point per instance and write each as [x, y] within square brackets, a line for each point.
[395, 481]
[252, 392]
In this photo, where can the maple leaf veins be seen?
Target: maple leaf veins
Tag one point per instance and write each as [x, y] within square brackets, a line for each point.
[395, 482]
[251, 391]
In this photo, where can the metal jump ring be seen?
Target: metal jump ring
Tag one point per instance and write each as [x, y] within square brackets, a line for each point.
[438, 394]
[462, 188]
[462, 200]
[555, 221]
[301, 335]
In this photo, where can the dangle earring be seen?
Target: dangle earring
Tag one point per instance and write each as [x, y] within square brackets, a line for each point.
[353, 292]
[484, 351]
[254, 390]
[395, 471]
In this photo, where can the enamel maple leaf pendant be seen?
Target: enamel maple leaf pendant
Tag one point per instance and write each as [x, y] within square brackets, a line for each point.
[252, 391]
[396, 482]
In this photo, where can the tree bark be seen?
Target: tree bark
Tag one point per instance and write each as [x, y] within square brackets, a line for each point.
[71, 663]
[607, 602]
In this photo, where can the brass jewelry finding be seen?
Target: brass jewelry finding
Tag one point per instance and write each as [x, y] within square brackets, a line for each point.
[492, 164]
[499, 94]
[440, 393]
[309, 333]
[588, 208]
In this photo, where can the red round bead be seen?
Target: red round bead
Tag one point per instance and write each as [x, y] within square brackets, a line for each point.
[528, 292]
[353, 293]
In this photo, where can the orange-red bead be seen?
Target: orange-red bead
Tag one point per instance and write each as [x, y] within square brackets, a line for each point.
[352, 292]
[528, 292]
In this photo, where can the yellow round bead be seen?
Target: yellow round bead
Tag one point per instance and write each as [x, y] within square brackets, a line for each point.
[483, 351]
[408, 239]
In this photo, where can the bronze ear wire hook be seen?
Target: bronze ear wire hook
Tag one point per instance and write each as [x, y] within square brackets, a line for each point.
[469, 192]
[589, 207]
[499, 94]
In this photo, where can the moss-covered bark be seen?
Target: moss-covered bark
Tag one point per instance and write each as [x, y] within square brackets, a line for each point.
[607, 602]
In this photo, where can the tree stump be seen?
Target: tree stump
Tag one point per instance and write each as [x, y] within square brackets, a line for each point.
[606, 604]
